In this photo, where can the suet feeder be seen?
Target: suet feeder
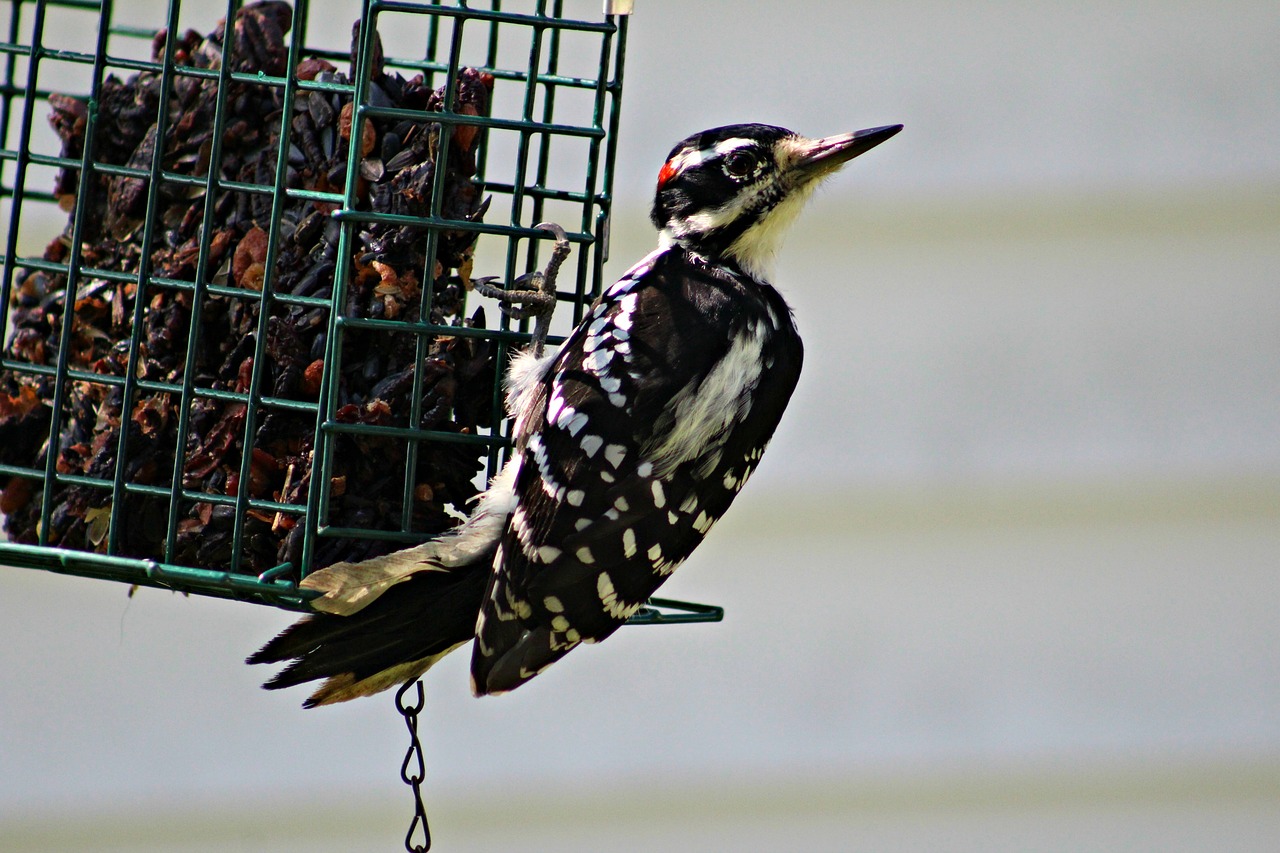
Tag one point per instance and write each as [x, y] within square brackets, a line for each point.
[240, 340]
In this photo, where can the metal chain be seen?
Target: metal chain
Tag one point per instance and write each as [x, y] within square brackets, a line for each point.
[414, 768]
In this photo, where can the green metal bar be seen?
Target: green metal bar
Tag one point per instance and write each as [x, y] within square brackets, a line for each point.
[6, 105]
[200, 290]
[410, 433]
[547, 193]
[544, 149]
[434, 328]
[268, 282]
[221, 584]
[428, 273]
[197, 181]
[122, 277]
[151, 385]
[320, 490]
[656, 612]
[491, 55]
[140, 300]
[73, 264]
[405, 536]
[22, 157]
[164, 492]
[604, 218]
[524, 127]
[472, 14]
[587, 270]
[452, 224]
[428, 67]
[91, 5]
[142, 33]
[450, 119]
[498, 73]
[37, 159]
[431, 66]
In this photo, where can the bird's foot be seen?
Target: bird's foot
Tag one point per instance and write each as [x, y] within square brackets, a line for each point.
[534, 293]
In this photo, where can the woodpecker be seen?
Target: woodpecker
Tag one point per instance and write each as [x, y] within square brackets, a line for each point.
[630, 442]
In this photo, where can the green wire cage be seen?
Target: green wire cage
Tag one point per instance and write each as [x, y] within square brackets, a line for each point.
[239, 339]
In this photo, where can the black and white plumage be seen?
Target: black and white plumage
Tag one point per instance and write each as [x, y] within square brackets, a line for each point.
[630, 443]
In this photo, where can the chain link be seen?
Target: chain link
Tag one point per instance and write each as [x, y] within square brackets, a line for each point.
[414, 769]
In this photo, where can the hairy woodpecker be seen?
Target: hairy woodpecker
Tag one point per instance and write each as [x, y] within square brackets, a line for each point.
[631, 441]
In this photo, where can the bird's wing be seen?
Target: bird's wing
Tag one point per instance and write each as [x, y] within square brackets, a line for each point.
[599, 521]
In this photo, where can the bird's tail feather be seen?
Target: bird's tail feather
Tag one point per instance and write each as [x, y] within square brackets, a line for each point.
[349, 587]
[391, 640]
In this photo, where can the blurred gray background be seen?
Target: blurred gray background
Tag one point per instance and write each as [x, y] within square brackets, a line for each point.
[1007, 579]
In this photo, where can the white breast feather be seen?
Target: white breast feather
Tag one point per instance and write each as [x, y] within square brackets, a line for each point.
[758, 246]
[703, 413]
[523, 379]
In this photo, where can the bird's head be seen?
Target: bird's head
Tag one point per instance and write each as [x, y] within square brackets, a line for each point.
[732, 191]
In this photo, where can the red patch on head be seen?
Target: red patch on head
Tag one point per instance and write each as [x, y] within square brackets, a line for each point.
[667, 172]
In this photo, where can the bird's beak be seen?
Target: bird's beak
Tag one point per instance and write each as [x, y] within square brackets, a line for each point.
[817, 157]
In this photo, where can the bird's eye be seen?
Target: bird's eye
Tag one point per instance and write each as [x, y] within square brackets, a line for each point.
[739, 164]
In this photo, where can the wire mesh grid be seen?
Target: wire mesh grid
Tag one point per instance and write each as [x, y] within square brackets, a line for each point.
[289, 373]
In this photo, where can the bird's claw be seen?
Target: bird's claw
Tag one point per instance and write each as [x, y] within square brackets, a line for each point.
[534, 294]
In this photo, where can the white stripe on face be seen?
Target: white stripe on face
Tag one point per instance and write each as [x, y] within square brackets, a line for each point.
[694, 158]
